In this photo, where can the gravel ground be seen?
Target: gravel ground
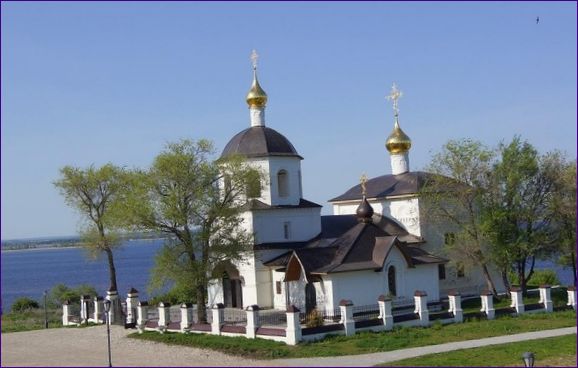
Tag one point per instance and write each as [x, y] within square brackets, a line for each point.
[83, 347]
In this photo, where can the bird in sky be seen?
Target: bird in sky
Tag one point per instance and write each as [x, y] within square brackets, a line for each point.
[537, 20]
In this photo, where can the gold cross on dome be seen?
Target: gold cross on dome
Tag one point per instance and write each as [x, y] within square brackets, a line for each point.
[254, 58]
[363, 181]
[394, 96]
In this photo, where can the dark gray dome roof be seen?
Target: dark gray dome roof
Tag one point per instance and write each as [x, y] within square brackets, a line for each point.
[260, 141]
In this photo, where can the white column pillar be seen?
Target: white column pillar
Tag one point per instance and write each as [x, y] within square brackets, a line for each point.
[546, 298]
[346, 308]
[164, 316]
[65, 312]
[98, 309]
[420, 300]
[257, 116]
[293, 330]
[385, 307]
[488, 304]
[456, 306]
[252, 321]
[517, 301]
[186, 316]
[571, 297]
[142, 315]
[218, 318]
[131, 303]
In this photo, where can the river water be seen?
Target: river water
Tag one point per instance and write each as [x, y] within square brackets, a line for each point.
[30, 272]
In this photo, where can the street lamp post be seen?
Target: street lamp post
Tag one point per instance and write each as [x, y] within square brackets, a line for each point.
[45, 310]
[528, 359]
[107, 313]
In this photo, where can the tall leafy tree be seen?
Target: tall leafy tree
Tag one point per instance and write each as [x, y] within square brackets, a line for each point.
[563, 207]
[455, 201]
[519, 212]
[197, 201]
[94, 193]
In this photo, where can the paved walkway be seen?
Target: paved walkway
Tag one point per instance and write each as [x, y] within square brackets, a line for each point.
[81, 347]
[365, 360]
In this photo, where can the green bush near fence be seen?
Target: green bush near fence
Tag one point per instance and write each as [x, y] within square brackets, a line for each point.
[24, 304]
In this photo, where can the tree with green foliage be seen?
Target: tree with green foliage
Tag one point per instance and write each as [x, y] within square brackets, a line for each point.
[563, 208]
[24, 304]
[61, 293]
[197, 201]
[94, 193]
[455, 198]
[519, 214]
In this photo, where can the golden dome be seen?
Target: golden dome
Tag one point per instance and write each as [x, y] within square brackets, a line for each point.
[398, 141]
[256, 96]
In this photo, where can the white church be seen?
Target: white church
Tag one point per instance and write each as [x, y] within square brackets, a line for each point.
[374, 243]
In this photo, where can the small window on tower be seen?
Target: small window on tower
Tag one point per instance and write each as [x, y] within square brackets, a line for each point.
[283, 183]
[278, 287]
[442, 271]
[287, 230]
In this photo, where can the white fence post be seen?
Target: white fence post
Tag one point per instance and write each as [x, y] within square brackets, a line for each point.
[186, 316]
[131, 303]
[218, 318]
[114, 314]
[84, 300]
[571, 297]
[65, 312]
[488, 304]
[252, 321]
[346, 308]
[517, 301]
[293, 330]
[455, 300]
[164, 316]
[385, 311]
[420, 300]
[142, 315]
[98, 309]
[546, 298]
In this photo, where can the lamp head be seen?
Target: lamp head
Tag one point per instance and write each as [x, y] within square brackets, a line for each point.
[107, 306]
[528, 358]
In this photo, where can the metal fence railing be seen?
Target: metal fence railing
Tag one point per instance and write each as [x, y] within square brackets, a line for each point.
[319, 317]
[272, 317]
[365, 312]
[233, 316]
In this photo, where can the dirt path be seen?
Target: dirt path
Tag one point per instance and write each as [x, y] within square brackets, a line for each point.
[81, 347]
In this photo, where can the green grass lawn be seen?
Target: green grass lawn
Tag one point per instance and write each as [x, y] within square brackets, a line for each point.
[552, 351]
[32, 319]
[369, 342]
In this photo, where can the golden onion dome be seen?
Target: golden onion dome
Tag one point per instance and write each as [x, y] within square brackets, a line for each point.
[398, 141]
[256, 97]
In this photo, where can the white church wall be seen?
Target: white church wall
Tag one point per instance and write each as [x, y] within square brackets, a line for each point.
[215, 292]
[361, 287]
[278, 299]
[304, 224]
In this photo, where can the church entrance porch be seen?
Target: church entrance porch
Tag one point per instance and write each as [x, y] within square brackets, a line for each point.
[232, 292]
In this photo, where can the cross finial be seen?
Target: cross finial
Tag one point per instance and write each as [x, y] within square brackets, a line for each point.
[394, 96]
[363, 181]
[254, 58]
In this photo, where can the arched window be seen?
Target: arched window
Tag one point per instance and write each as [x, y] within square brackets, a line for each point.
[391, 281]
[283, 183]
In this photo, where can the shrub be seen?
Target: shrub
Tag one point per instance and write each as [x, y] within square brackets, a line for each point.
[541, 277]
[61, 293]
[314, 319]
[24, 304]
[175, 296]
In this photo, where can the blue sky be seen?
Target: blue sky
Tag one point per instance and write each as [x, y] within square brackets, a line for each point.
[91, 83]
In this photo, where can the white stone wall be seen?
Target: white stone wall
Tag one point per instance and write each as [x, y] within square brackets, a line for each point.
[268, 225]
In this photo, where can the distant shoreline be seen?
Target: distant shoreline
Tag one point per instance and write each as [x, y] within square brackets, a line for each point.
[67, 246]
